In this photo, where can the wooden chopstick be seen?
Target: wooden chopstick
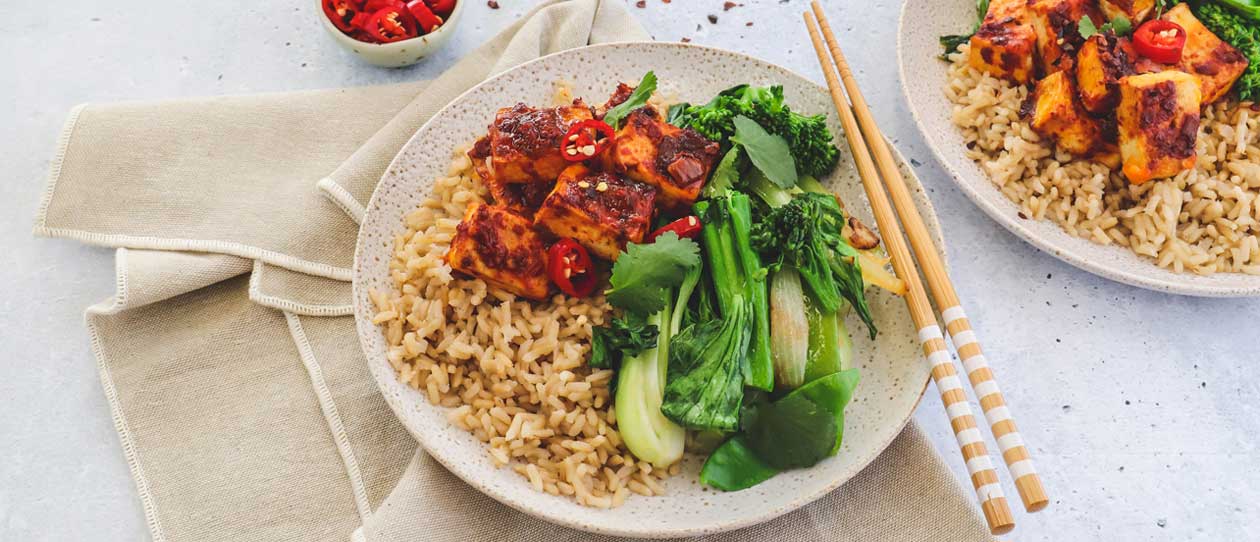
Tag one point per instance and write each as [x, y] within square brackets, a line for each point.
[1014, 452]
[970, 441]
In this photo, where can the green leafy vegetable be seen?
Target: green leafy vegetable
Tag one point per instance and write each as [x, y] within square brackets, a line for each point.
[791, 433]
[808, 137]
[641, 386]
[789, 328]
[726, 174]
[637, 99]
[788, 432]
[770, 153]
[952, 42]
[705, 381]
[805, 233]
[644, 272]
[1121, 25]
[676, 112]
[1247, 8]
[734, 466]
[625, 336]
[1244, 35]
[828, 342]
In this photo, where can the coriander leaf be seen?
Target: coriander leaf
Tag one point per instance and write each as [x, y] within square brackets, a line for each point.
[677, 114]
[1121, 25]
[734, 466]
[769, 152]
[637, 99]
[1086, 27]
[726, 174]
[644, 272]
[625, 336]
[790, 433]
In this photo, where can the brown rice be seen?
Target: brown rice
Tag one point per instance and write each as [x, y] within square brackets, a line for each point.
[1205, 220]
[513, 372]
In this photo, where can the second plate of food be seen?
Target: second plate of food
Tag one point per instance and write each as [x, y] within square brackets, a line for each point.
[726, 378]
[1050, 134]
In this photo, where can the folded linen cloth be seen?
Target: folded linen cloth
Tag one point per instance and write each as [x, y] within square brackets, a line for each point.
[230, 362]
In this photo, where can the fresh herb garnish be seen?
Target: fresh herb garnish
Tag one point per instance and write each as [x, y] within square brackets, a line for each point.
[637, 99]
[625, 336]
[768, 152]
[1121, 25]
[644, 273]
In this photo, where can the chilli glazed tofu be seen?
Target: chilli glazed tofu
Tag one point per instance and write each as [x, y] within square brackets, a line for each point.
[1056, 113]
[602, 211]
[500, 247]
[676, 161]
[1158, 120]
[523, 143]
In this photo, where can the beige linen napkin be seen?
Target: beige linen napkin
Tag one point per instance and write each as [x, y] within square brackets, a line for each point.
[242, 400]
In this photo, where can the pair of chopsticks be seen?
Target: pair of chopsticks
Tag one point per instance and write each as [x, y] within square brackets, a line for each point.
[870, 142]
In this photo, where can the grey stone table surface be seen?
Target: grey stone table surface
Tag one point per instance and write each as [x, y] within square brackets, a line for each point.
[1140, 407]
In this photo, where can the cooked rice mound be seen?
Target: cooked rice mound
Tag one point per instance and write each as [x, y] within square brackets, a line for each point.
[1206, 220]
[513, 372]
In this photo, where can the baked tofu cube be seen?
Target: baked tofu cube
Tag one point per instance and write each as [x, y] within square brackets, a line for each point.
[524, 142]
[674, 160]
[1055, 23]
[1004, 48]
[1135, 11]
[1215, 63]
[602, 211]
[523, 198]
[500, 247]
[1001, 9]
[1057, 114]
[1158, 120]
[1103, 61]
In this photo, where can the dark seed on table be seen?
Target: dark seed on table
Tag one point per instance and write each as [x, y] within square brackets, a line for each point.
[713, 19]
[1022, 215]
[686, 40]
[640, 4]
[492, 4]
[749, 23]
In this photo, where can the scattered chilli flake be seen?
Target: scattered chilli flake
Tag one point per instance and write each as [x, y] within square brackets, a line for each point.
[492, 4]
[728, 5]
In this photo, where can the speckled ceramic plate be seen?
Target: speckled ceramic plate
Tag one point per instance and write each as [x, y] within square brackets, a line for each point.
[893, 373]
[923, 78]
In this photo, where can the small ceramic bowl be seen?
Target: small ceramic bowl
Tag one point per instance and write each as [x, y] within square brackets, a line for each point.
[399, 53]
